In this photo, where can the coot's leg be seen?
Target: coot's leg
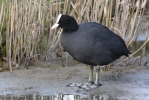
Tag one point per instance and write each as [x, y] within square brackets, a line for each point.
[97, 76]
[91, 75]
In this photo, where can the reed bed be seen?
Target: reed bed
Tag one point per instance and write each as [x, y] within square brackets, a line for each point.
[25, 33]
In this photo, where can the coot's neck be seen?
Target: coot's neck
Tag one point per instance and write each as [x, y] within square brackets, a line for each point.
[73, 26]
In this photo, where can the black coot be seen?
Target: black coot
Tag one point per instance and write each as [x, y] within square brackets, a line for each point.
[90, 43]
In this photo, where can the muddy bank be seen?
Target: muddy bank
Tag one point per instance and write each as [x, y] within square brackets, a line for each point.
[45, 79]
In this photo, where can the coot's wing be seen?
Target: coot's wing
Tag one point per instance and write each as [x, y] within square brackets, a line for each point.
[110, 40]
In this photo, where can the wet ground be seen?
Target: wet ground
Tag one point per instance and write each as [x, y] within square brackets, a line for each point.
[48, 81]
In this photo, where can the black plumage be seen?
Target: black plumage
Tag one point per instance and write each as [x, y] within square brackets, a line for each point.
[91, 43]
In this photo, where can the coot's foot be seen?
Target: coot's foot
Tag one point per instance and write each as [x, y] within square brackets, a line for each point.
[84, 86]
[98, 85]
[74, 84]
[92, 82]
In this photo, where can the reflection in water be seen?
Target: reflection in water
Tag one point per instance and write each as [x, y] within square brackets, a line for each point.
[50, 97]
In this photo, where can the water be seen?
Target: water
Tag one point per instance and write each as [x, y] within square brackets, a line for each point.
[141, 36]
[135, 45]
[50, 97]
[138, 41]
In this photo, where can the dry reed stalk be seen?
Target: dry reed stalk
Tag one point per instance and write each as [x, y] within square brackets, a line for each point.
[28, 35]
[1, 22]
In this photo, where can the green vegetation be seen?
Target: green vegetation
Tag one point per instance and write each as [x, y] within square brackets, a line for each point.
[25, 24]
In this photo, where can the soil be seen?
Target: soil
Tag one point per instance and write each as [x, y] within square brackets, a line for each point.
[51, 78]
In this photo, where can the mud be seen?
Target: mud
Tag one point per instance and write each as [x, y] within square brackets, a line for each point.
[51, 79]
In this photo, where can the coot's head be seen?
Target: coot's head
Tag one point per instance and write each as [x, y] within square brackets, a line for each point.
[66, 22]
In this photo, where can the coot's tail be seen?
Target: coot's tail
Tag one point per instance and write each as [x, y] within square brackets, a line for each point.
[127, 52]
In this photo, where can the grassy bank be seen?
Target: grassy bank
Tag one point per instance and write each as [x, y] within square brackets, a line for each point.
[25, 33]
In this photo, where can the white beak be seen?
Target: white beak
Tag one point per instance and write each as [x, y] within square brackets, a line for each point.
[54, 26]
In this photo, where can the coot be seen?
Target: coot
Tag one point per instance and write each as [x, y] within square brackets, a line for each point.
[90, 43]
